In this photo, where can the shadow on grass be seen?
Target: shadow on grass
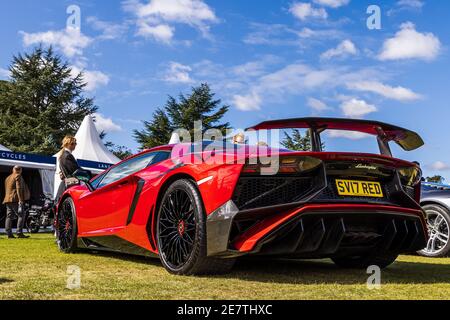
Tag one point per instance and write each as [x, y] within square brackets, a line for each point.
[315, 271]
[4, 280]
[324, 272]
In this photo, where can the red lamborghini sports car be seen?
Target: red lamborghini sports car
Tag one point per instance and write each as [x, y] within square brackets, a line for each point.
[198, 217]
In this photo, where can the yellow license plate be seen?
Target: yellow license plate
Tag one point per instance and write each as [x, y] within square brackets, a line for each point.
[359, 188]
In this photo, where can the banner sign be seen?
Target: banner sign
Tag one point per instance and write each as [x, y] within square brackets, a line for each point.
[94, 165]
[25, 157]
[34, 158]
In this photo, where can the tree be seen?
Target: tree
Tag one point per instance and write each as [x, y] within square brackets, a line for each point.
[120, 152]
[200, 105]
[42, 103]
[436, 179]
[156, 132]
[298, 142]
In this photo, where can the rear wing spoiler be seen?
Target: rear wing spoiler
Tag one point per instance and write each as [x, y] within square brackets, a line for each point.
[408, 140]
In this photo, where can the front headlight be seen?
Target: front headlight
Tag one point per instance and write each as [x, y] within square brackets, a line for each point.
[410, 176]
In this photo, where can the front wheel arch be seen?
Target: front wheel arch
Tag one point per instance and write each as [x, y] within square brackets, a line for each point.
[162, 190]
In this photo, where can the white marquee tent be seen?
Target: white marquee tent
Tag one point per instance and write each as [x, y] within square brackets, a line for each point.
[3, 148]
[90, 149]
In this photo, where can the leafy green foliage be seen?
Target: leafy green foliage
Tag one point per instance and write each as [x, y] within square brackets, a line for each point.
[200, 105]
[298, 142]
[42, 102]
[436, 179]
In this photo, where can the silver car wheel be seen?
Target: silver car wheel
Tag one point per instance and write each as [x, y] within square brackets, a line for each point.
[439, 232]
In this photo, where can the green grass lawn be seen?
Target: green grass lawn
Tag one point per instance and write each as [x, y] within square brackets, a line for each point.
[35, 269]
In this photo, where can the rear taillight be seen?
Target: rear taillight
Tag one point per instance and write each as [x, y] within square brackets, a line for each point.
[284, 165]
[411, 176]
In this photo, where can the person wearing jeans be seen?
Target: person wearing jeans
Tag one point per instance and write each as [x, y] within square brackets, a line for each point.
[16, 194]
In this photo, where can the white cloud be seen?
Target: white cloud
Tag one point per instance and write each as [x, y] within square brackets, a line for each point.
[109, 30]
[410, 44]
[355, 108]
[293, 79]
[250, 69]
[416, 4]
[307, 33]
[352, 135]
[178, 73]
[155, 17]
[255, 68]
[345, 48]
[332, 3]
[395, 93]
[282, 35]
[4, 74]
[93, 79]
[439, 166]
[71, 41]
[271, 81]
[106, 125]
[249, 102]
[162, 32]
[406, 5]
[304, 11]
[317, 105]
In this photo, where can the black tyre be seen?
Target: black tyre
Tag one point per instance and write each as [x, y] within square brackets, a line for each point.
[438, 222]
[33, 225]
[66, 228]
[181, 233]
[382, 260]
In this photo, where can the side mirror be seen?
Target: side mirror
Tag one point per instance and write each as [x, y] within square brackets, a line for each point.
[84, 176]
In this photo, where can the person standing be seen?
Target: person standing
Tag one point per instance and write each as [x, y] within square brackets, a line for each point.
[16, 194]
[67, 163]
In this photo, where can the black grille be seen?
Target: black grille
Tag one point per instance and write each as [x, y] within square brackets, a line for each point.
[257, 192]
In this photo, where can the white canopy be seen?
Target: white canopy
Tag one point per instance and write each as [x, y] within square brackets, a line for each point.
[89, 147]
[3, 148]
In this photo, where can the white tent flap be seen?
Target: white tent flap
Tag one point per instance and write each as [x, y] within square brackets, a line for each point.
[3, 148]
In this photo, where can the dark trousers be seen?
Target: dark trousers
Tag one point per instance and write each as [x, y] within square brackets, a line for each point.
[11, 210]
[62, 188]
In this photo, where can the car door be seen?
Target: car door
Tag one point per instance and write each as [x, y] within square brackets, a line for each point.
[105, 210]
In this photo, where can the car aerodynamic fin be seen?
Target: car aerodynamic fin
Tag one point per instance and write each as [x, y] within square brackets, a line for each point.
[406, 139]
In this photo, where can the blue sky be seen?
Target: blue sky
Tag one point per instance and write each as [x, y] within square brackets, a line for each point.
[267, 59]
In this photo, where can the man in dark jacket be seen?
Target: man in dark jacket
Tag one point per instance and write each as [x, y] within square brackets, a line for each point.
[16, 193]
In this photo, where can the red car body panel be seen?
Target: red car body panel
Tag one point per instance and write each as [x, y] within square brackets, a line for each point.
[117, 210]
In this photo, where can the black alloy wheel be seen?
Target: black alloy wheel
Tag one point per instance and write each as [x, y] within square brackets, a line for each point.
[177, 228]
[67, 227]
[181, 233]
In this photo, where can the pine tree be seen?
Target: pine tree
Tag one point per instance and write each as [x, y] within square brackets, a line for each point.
[200, 105]
[156, 132]
[42, 103]
[298, 142]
